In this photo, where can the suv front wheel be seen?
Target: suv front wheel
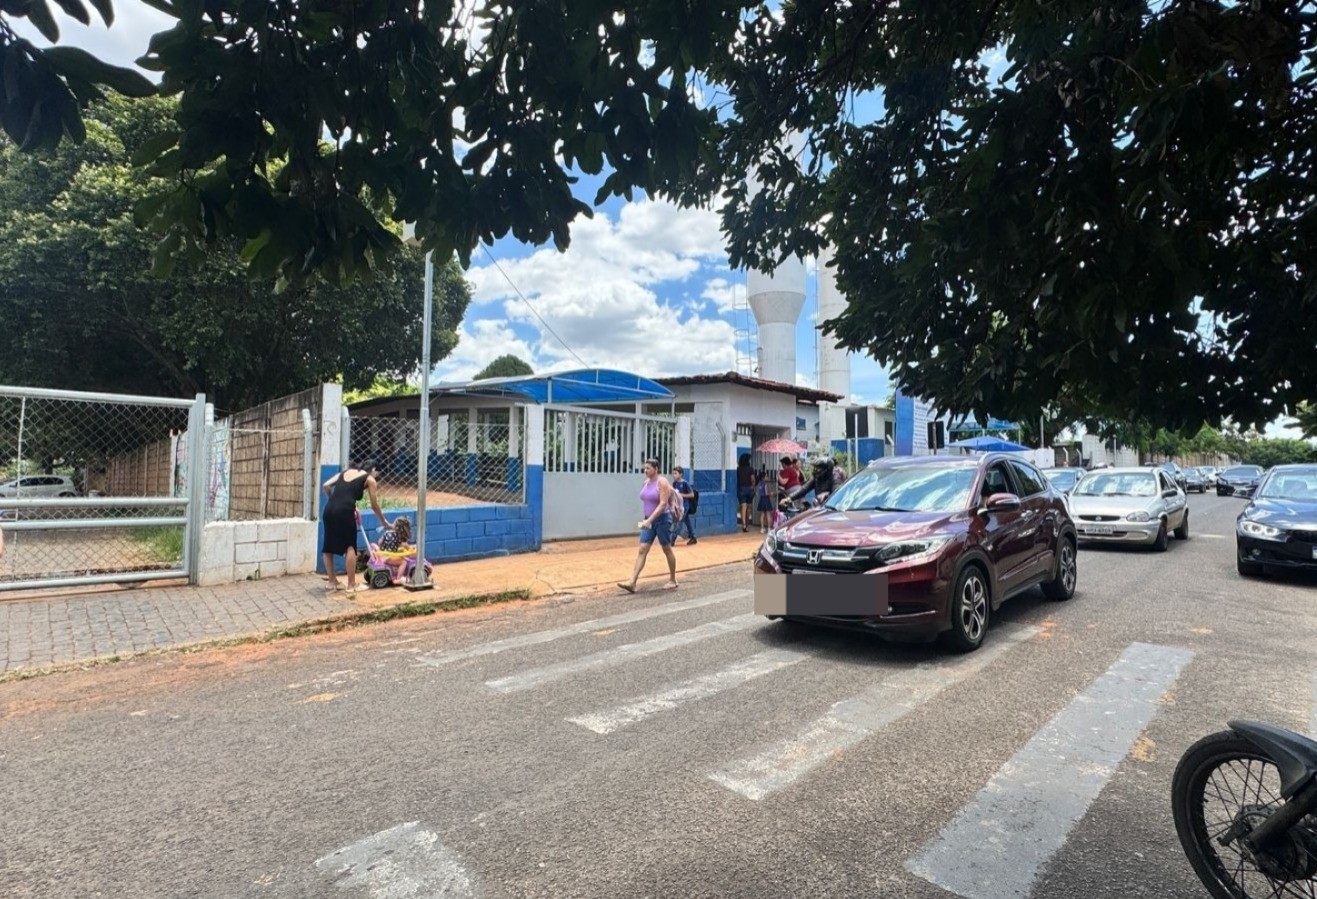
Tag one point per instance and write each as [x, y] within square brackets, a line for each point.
[1062, 585]
[971, 606]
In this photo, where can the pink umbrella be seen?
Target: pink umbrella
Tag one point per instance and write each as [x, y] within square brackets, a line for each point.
[779, 445]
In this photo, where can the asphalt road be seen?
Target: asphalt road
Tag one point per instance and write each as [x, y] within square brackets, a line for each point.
[662, 745]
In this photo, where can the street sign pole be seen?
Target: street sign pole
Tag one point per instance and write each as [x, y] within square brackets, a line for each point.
[420, 580]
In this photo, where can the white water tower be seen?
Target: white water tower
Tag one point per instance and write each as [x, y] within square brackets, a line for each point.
[776, 300]
[834, 362]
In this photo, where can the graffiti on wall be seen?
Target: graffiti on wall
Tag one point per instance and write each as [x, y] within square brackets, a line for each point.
[221, 476]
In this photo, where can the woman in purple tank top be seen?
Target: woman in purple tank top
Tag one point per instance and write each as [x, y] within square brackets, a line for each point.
[655, 494]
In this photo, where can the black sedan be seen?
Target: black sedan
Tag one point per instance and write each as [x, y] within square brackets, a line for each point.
[1240, 480]
[1279, 527]
[1195, 481]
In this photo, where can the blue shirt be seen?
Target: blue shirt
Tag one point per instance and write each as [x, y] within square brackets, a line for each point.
[681, 486]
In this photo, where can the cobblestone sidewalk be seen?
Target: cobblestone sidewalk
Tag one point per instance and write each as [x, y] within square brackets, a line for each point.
[39, 632]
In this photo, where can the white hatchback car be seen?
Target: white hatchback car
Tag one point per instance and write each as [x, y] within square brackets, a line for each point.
[39, 485]
[1130, 505]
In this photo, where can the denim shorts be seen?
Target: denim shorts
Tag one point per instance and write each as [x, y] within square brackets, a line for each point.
[662, 530]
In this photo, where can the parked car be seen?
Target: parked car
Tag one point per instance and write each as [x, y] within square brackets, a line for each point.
[38, 485]
[952, 537]
[1194, 481]
[1209, 472]
[1064, 479]
[1278, 528]
[1241, 480]
[1174, 471]
[1130, 505]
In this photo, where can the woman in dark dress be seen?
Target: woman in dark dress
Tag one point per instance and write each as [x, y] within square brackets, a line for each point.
[344, 491]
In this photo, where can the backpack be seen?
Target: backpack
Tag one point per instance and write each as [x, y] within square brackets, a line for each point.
[694, 500]
[676, 505]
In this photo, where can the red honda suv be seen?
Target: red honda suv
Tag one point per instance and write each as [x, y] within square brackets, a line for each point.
[932, 545]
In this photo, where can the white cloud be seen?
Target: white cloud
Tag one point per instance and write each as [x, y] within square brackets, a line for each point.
[722, 293]
[480, 343]
[602, 295]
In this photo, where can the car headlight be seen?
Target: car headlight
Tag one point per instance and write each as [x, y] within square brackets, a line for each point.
[911, 549]
[1138, 516]
[770, 543]
[1265, 531]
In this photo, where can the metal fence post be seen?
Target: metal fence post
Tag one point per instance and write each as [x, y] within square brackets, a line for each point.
[307, 479]
[196, 487]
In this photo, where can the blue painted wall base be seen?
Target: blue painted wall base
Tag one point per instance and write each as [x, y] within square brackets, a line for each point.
[461, 533]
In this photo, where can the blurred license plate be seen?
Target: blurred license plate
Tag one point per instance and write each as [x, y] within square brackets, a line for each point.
[1099, 529]
[863, 595]
[1314, 552]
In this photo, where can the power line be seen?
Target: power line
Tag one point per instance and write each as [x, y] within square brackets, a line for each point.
[547, 326]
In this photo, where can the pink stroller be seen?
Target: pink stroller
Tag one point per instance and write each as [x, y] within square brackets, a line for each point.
[379, 574]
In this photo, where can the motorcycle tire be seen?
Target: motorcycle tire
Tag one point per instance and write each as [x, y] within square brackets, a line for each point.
[1219, 867]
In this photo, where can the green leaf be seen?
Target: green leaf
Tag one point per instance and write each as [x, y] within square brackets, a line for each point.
[106, 9]
[74, 62]
[42, 19]
[153, 146]
[75, 10]
[255, 245]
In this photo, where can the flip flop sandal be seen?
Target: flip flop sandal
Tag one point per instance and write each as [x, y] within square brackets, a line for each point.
[628, 588]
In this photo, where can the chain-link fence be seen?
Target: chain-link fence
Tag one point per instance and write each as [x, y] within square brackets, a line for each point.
[708, 455]
[92, 487]
[472, 460]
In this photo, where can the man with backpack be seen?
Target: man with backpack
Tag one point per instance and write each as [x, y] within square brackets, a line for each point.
[691, 499]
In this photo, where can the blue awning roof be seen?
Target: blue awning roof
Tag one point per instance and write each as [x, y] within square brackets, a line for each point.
[586, 385]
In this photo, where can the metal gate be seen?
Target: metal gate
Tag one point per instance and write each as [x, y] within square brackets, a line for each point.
[592, 468]
[99, 488]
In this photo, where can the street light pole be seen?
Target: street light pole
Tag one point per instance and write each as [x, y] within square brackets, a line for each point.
[420, 580]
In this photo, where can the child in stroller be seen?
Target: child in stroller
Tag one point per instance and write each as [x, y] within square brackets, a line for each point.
[393, 557]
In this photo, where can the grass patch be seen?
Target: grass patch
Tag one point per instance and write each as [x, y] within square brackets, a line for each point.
[164, 543]
[304, 629]
[387, 502]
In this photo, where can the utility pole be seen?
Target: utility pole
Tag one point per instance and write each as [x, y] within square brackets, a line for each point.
[420, 580]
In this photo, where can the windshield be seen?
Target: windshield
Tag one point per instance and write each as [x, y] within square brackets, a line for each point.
[912, 488]
[1127, 483]
[1062, 480]
[1246, 471]
[1299, 483]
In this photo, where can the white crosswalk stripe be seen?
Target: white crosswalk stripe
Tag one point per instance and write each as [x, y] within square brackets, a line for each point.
[538, 677]
[997, 844]
[734, 675]
[447, 657]
[849, 722]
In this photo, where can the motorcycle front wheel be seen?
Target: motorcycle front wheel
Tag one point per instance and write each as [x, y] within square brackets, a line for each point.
[1222, 781]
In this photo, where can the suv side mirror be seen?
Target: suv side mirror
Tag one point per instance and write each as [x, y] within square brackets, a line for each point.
[1002, 502]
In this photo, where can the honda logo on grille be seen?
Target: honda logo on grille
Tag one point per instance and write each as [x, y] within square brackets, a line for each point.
[814, 556]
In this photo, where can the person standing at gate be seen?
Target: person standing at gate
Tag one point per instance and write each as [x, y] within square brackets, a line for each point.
[683, 489]
[745, 488]
[340, 517]
[789, 477]
[655, 496]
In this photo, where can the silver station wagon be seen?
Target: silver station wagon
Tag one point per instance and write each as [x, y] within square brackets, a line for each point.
[1130, 505]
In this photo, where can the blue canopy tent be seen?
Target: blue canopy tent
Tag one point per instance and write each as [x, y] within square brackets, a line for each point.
[587, 385]
[989, 445]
